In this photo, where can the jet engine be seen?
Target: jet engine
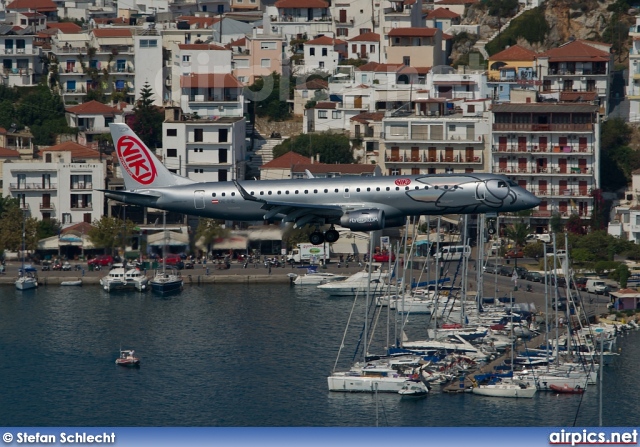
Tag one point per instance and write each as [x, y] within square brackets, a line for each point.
[364, 220]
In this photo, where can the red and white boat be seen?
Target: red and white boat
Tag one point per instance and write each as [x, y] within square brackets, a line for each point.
[127, 358]
[566, 389]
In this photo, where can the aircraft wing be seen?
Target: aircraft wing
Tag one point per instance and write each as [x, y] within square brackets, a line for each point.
[299, 213]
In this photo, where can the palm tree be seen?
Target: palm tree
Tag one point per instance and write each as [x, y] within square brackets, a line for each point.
[518, 234]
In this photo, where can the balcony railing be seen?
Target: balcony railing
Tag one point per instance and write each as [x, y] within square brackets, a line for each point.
[547, 170]
[424, 158]
[76, 207]
[19, 51]
[203, 98]
[597, 72]
[516, 148]
[567, 191]
[528, 127]
[82, 186]
[288, 18]
[47, 206]
[32, 186]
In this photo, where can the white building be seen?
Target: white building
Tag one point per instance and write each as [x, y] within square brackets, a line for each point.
[364, 46]
[633, 88]
[21, 60]
[92, 118]
[204, 149]
[61, 185]
[323, 54]
[212, 95]
[625, 219]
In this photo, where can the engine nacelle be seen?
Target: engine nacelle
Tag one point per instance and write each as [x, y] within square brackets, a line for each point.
[363, 220]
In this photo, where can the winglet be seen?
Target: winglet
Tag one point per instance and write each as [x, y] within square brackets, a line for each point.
[140, 167]
[244, 193]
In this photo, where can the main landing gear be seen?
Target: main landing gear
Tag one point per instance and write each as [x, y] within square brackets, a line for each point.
[318, 238]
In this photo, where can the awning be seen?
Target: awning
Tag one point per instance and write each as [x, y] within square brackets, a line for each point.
[174, 239]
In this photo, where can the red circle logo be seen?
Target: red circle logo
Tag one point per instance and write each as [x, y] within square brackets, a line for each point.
[136, 159]
[403, 182]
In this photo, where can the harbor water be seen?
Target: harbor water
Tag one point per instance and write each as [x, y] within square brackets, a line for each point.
[237, 355]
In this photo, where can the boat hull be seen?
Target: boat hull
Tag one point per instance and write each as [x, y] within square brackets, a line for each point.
[164, 287]
[365, 384]
[504, 390]
[26, 284]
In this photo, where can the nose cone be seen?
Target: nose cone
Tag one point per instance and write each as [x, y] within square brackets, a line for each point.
[529, 200]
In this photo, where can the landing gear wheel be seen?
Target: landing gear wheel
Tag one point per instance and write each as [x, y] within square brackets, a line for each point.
[491, 226]
[316, 238]
[331, 236]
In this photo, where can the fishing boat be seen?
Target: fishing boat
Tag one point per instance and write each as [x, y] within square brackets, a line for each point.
[566, 389]
[27, 277]
[164, 282]
[413, 389]
[127, 358]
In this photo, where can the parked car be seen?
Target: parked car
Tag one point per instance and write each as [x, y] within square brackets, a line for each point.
[581, 283]
[514, 254]
[559, 253]
[188, 265]
[383, 257]
[174, 261]
[522, 272]
[101, 260]
[534, 276]
[560, 303]
[506, 270]
[597, 286]
[46, 266]
[492, 268]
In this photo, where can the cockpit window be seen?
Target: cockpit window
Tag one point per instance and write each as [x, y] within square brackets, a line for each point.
[502, 184]
[512, 183]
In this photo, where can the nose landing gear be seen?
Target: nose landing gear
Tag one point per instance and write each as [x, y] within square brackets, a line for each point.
[317, 237]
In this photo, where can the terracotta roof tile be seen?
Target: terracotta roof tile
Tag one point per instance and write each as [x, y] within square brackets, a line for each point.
[81, 227]
[8, 153]
[210, 80]
[77, 150]
[514, 53]
[314, 84]
[200, 22]
[324, 40]
[286, 161]
[442, 13]
[576, 51]
[578, 96]
[93, 108]
[34, 5]
[201, 46]
[325, 105]
[366, 37]
[111, 32]
[65, 27]
[325, 168]
[366, 117]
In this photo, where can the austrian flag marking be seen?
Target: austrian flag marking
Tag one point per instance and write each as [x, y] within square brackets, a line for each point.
[403, 181]
[136, 160]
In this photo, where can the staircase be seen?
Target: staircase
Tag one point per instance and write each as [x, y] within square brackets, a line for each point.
[264, 154]
[479, 45]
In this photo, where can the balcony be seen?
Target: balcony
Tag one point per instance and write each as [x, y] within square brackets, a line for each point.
[347, 20]
[586, 72]
[17, 71]
[76, 207]
[203, 98]
[79, 186]
[556, 191]
[424, 158]
[534, 148]
[47, 207]
[288, 19]
[528, 127]
[25, 206]
[32, 187]
[544, 170]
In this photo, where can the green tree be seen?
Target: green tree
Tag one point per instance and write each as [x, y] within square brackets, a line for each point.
[332, 147]
[11, 222]
[208, 231]
[48, 228]
[110, 232]
[147, 119]
[7, 202]
[268, 97]
[555, 223]
[534, 250]
[293, 236]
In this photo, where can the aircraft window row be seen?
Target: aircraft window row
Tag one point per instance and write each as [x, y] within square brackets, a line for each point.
[326, 191]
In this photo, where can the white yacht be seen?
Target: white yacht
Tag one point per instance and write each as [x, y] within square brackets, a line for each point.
[358, 283]
[505, 388]
[369, 378]
[121, 277]
[315, 278]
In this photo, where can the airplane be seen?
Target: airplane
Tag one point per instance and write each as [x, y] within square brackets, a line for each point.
[360, 204]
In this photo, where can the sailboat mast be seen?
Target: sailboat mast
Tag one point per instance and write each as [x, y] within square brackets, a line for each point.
[546, 304]
[164, 240]
[555, 296]
[465, 269]
[366, 305]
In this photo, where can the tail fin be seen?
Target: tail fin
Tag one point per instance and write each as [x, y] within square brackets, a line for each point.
[140, 167]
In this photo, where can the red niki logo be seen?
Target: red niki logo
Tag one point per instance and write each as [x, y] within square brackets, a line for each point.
[403, 182]
[136, 160]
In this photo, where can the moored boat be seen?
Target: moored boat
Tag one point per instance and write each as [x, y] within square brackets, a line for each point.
[77, 282]
[413, 389]
[566, 389]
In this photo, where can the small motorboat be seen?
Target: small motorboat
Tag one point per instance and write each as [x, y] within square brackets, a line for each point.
[127, 358]
[413, 388]
[77, 282]
[566, 389]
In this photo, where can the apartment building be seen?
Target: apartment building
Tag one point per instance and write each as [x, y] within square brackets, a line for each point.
[395, 14]
[295, 18]
[415, 47]
[322, 54]
[514, 67]
[355, 18]
[21, 59]
[92, 118]
[204, 149]
[211, 95]
[625, 219]
[552, 150]
[258, 54]
[633, 86]
[61, 184]
[364, 46]
[365, 131]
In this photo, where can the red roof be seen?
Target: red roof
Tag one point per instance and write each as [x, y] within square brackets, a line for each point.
[514, 53]
[77, 150]
[112, 32]
[314, 84]
[324, 168]
[209, 80]
[286, 161]
[34, 5]
[442, 13]
[381, 68]
[324, 40]
[93, 108]
[65, 27]
[238, 43]
[576, 51]
[456, 2]
[325, 105]
[200, 22]
[6, 153]
[301, 4]
[366, 117]
[81, 227]
[577, 96]
[201, 46]
[413, 32]
[366, 37]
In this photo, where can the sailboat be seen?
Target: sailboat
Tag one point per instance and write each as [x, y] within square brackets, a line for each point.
[164, 282]
[27, 279]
